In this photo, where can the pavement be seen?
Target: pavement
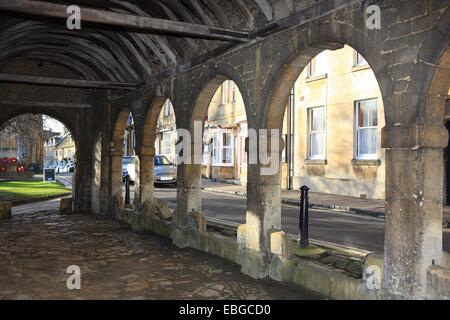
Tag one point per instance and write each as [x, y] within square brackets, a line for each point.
[116, 262]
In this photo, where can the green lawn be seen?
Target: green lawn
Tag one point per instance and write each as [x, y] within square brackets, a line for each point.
[21, 191]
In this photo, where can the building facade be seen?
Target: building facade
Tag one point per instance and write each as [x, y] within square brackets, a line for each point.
[225, 131]
[166, 132]
[60, 149]
[336, 112]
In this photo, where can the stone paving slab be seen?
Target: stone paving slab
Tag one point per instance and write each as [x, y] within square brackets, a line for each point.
[116, 263]
[370, 207]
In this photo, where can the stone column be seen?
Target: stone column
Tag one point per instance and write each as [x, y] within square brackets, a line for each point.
[105, 172]
[188, 200]
[117, 200]
[414, 187]
[146, 188]
[81, 187]
[263, 216]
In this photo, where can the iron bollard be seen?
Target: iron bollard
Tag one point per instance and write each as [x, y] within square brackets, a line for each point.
[303, 219]
[127, 190]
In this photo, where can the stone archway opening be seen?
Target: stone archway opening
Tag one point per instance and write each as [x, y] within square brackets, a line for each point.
[329, 107]
[218, 129]
[32, 143]
[124, 163]
[158, 160]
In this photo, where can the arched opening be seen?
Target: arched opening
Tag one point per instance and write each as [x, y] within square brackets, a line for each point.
[437, 102]
[158, 160]
[329, 108]
[219, 158]
[124, 162]
[40, 151]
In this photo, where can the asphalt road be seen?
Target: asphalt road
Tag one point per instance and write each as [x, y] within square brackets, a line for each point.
[351, 230]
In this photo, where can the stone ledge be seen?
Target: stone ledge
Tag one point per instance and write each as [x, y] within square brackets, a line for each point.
[316, 78]
[311, 162]
[366, 162]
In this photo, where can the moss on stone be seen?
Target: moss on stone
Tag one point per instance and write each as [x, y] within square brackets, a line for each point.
[311, 252]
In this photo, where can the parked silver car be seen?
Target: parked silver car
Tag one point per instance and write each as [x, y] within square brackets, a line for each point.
[165, 171]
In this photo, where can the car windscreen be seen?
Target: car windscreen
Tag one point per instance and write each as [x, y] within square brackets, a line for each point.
[162, 161]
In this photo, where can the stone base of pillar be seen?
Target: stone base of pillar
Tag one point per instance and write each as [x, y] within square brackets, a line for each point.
[180, 237]
[254, 263]
[5, 210]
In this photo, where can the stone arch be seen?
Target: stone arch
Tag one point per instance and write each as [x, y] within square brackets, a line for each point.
[189, 175]
[301, 49]
[117, 153]
[147, 155]
[205, 88]
[264, 192]
[66, 118]
[67, 122]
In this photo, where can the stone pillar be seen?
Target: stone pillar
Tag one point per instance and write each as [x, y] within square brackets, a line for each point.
[414, 186]
[263, 216]
[188, 200]
[146, 188]
[81, 187]
[117, 200]
[105, 172]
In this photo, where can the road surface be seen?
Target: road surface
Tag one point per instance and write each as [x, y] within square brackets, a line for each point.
[351, 230]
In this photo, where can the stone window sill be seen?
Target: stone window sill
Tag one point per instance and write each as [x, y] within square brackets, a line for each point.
[366, 162]
[360, 68]
[316, 78]
[315, 162]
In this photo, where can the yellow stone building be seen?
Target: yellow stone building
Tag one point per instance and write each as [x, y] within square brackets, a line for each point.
[166, 136]
[337, 116]
[224, 156]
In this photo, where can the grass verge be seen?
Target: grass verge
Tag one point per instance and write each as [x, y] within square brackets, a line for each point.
[29, 191]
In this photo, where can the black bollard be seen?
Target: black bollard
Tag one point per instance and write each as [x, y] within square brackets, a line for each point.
[303, 219]
[127, 190]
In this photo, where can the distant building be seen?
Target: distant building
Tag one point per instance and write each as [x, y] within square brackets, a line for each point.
[166, 132]
[60, 149]
[224, 156]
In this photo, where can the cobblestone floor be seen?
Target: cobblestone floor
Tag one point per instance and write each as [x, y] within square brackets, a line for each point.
[116, 263]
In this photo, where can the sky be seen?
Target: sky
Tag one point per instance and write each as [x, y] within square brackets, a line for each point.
[53, 124]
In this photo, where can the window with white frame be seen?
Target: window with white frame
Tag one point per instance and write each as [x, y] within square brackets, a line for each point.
[318, 65]
[317, 131]
[168, 108]
[223, 149]
[359, 59]
[225, 91]
[232, 91]
[366, 129]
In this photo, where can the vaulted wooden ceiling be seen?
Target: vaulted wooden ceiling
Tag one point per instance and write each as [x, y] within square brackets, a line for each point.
[105, 51]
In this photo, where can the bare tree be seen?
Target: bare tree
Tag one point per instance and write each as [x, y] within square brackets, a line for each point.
[26, 126]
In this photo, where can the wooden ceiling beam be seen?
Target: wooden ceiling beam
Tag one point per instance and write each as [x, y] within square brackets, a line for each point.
[134, 23]
[62, 82]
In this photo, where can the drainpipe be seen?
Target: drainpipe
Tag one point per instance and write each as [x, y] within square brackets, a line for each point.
[290, 140]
